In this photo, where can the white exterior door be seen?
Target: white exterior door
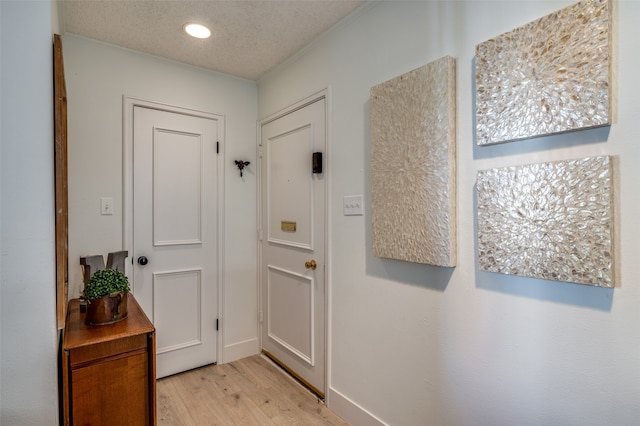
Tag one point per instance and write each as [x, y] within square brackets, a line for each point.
[175, 234]
[293, 239]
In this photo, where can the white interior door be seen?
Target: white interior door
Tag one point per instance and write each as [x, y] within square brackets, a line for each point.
[175, 227]
[293, 237]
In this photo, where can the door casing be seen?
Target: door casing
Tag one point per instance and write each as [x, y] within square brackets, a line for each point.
[327, 236]
[127, 187]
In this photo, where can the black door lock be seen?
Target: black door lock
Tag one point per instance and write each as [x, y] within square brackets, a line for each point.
[316, 162]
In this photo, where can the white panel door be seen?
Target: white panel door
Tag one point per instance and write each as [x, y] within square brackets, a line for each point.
[293, 236]
[175, 234]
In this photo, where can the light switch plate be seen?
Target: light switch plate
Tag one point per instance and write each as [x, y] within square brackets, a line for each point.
[106, 206]
[352, 205]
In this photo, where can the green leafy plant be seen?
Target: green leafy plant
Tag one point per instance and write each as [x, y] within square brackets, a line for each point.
[105, 282]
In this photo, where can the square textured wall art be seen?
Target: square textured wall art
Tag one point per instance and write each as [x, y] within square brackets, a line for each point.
[413, 165]
[550, 76]
[550, 220]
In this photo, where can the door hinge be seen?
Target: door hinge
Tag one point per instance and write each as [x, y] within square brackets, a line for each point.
[260, 152]
[217, 324]
[260, 315]
[217, 147]
[259, 234]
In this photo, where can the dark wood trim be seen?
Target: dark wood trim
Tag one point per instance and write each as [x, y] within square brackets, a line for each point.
[61, 191]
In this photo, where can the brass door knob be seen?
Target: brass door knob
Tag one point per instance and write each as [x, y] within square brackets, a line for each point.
[310, 264]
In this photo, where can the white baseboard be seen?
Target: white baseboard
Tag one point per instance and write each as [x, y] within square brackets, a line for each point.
[239, 350]
[350, 411]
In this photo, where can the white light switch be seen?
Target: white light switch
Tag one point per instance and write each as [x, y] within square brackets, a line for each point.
[106, 206]
[352, 205]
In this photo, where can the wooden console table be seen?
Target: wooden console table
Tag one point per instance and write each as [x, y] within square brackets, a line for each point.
[109, 371]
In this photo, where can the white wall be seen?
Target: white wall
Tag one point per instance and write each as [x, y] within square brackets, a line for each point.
[28, 368]
[413, 344]
[98, 75]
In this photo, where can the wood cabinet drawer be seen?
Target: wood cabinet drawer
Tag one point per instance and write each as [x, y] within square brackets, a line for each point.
[98, 351]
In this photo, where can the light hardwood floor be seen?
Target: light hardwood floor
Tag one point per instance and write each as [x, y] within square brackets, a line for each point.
[250, 391]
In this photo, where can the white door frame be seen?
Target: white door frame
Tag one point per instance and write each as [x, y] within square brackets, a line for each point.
[325, 93]
[128, 104]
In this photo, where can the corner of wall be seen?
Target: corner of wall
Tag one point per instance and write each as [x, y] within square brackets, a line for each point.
[350, 410]
[239, 350]
[57, 17]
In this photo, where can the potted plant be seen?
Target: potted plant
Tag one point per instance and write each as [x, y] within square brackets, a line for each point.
[106, 294]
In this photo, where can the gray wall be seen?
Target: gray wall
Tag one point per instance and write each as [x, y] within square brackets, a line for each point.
[28, 367]
[413, 344]
[98, 76]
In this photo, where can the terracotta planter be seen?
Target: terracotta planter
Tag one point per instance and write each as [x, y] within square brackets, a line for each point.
[107, 309]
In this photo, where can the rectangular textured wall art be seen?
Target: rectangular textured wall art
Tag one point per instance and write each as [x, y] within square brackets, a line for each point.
[413, 165]
[550, 76]
[550, 220]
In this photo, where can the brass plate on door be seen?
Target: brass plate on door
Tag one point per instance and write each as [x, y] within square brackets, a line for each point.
[288, 226]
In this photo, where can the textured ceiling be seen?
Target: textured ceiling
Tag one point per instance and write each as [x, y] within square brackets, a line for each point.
[249, 37]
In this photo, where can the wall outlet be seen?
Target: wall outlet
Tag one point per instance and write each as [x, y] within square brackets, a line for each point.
[352, 205]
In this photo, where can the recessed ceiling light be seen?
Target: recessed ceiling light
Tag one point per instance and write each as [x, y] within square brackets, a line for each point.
[197, 30]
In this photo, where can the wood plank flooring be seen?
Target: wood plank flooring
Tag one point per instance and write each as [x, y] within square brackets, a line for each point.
[250, 391]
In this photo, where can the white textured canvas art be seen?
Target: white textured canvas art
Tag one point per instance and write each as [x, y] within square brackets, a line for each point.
[549, 76]
[550, 220]
[413, 165]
